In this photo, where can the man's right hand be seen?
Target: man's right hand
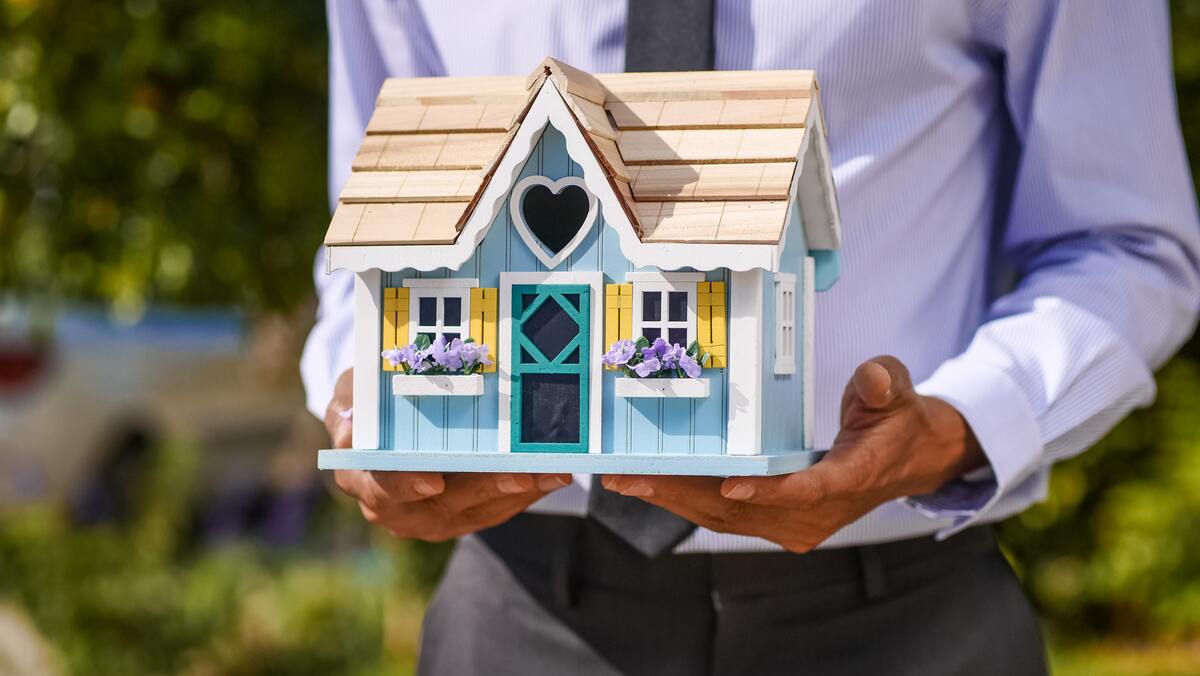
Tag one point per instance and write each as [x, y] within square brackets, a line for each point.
[428, 505]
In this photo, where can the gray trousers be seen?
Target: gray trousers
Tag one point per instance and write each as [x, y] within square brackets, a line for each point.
[547, 595]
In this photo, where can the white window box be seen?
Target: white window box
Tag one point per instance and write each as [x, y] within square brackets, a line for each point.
[438, 386]
[694, 388]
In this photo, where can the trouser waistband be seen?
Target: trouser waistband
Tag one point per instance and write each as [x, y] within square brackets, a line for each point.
[574, 551]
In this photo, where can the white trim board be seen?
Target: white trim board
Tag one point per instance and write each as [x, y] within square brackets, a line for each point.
[808, 347]
[745, 368]
[694, 277]
[440, 282]
[548, 107]
[596, 373]
[368, 364]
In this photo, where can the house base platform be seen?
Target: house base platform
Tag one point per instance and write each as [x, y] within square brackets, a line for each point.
[766, 464]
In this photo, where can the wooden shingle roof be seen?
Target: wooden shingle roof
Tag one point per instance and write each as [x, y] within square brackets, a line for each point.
[700, 157]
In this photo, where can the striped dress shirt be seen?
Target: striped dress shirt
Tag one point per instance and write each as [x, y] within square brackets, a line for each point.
[1020, 226]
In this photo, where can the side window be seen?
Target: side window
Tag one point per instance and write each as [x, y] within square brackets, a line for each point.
[785, 323]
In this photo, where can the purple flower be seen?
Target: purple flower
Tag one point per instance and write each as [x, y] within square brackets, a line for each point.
[648, 367]
[620, 353]
[415, 359]
[474, 353]
[449, 356]
[394, 356]
[672, 357]
[656, 350]
[689, 366]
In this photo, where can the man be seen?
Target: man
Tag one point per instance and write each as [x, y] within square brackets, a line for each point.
[970, 138]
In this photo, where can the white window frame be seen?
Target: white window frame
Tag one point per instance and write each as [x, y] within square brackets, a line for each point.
[785, 323]
[664, 282]
[454, 287]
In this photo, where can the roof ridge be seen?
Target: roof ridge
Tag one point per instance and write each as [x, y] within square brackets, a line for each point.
[569, 79]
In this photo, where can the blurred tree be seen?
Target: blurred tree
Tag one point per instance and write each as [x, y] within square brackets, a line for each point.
[162, 151]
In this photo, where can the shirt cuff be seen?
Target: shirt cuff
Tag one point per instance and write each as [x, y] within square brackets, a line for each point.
[999, 414]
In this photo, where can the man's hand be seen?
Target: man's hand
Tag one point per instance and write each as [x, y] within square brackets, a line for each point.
[428, 505]
[893, 443]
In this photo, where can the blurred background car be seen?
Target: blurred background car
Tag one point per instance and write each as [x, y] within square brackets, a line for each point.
[85, 399]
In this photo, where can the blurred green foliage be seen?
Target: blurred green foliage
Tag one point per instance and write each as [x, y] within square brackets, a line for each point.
[175, 151]
[137, 598]
[162, 151]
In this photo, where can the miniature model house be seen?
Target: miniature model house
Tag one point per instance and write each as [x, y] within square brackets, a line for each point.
[594, 273]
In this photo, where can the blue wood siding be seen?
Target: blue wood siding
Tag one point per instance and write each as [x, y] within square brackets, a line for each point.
[679, 426]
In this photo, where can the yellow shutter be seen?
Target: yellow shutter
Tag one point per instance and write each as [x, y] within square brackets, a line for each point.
[710, 321]
[483, 323]
[618, 313]
[395, 321]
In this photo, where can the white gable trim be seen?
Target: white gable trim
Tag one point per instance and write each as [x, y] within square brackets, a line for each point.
[815, 196]
[549, 108]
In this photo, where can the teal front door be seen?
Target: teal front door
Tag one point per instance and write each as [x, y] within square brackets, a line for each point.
[549, 373]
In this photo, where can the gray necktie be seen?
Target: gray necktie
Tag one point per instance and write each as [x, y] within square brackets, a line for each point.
[660, 35]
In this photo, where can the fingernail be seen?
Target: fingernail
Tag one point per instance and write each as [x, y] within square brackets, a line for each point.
[639, 490]
[740, 492]
[551, 483]
[424, 487]
[508, 484]
[347, 414]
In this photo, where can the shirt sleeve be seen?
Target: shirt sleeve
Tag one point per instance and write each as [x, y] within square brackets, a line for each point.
[1103, 238]
[356, 72]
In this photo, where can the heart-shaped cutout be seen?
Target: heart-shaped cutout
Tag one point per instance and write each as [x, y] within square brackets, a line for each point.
[552, 217]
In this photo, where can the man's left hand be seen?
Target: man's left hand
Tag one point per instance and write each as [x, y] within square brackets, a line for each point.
[893, 443]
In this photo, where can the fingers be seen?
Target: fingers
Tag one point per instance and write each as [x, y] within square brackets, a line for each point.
[338, 414]
[845, 473]
[808, 488]
[678, 487]
[340, 424]
[694, 498]
[426, 522]
[705, 502]
[805, 488]
[468, 503]
[377, 491]
[465, 491]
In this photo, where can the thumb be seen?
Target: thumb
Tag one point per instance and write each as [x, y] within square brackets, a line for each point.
[881, 381]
